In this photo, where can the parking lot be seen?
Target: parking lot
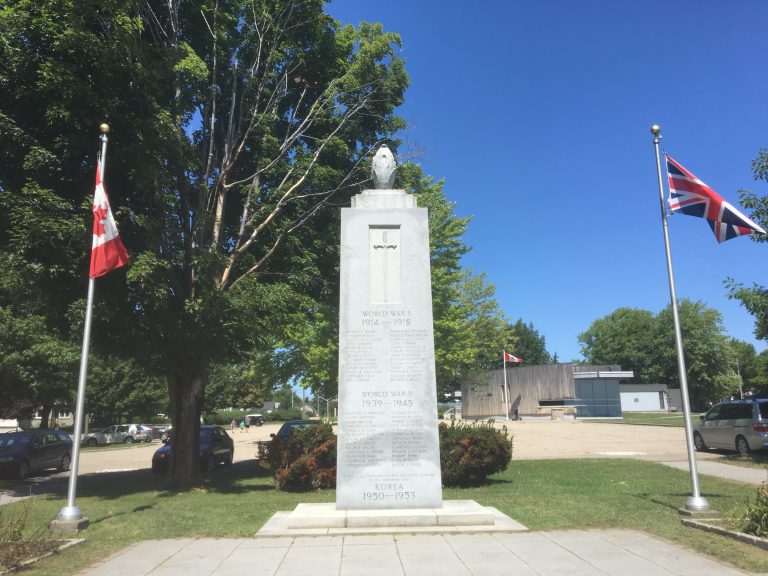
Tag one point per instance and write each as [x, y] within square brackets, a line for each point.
[533, 440]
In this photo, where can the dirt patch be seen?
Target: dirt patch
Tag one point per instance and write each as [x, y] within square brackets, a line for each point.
[15, 555]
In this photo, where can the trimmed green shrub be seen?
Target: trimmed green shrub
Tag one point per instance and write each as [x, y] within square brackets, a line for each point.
[755, 520]
[225, 417]
[304, 461]
[469, 453]
[283, 415]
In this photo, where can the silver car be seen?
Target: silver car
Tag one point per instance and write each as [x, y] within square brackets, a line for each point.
[740, 425]
[118, 434]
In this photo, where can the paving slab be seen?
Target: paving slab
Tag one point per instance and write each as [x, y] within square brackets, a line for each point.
[557, 553]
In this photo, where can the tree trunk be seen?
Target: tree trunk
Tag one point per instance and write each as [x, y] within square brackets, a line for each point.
[186, 396]
[45, 415]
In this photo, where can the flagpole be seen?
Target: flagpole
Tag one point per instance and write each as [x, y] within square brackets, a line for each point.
[70, 516]
[506, 390]
[696, 502]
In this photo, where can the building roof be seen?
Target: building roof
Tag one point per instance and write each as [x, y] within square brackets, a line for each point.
[604, 374]
[642, 388]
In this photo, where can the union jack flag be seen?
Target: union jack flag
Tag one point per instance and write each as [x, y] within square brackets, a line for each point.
[689, 195]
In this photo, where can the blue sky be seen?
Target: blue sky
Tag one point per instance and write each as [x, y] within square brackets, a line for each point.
[537, 115]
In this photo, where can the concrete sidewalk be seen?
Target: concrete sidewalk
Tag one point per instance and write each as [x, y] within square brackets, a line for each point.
[562, 553]
[728, 471]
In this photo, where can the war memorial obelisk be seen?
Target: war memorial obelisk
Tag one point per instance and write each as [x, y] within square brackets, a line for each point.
[388, 450]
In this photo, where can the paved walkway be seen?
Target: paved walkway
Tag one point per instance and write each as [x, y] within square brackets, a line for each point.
[722, 470]
[564, 553]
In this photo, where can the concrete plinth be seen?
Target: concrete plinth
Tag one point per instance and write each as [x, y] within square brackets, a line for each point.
[454, 516]
[68, 525]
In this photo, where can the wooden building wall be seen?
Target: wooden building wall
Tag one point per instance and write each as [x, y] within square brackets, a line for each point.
[481, 396]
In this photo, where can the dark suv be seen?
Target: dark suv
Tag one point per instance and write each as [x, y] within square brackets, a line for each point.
[740, 425]
[22, 453]
[216, 446]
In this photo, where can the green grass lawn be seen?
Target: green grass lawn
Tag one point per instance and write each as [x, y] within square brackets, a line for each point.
[129, 507]
[651, 419]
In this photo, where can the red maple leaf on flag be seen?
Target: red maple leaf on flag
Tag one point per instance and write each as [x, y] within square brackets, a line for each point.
[107, 252]
[99, 217]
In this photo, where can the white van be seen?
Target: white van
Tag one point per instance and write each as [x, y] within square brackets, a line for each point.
[740, 425]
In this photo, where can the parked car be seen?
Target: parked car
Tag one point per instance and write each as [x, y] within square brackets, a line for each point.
[216, 446]
[740, 425]
[284, 432]
[151, 431]
[165, 434]
[22, 453]
[117, 434]
[291, 426]
[254, 419]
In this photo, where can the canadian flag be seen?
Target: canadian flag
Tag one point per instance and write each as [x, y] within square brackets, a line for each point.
[509, 358]
[108, 251]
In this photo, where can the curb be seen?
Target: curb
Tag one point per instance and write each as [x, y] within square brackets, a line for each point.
[740, 536]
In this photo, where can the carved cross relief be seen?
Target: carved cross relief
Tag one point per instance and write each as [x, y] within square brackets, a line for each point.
[384, 265]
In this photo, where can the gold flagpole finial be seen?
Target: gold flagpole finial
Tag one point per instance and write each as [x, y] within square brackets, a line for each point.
[655, 129]
[104, 128]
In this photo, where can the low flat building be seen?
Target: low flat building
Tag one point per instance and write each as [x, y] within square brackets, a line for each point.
[644, 398]
[549, 390]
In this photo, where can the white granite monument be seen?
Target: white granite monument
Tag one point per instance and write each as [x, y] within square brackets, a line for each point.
[388, 453]
[388, 450]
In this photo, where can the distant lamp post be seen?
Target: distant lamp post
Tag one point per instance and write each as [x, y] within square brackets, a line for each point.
[327, 406]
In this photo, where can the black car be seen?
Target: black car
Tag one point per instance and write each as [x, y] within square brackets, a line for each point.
[216, 447]
[284, 432]
[290, 426]
[254, 419]
[22, 453]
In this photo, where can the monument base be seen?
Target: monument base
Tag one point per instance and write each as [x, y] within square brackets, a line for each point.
[325, 519]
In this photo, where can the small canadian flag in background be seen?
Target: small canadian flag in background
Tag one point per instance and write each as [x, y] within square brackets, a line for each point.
[108, 251]
[509, 358]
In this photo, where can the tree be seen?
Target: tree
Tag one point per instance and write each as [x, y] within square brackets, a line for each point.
[639, 341]
[755, 298]
[238, 124]
[626, 336]
[531, 346]
[119, 388]
[36, 367]
[707, 355]
[748, 365]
